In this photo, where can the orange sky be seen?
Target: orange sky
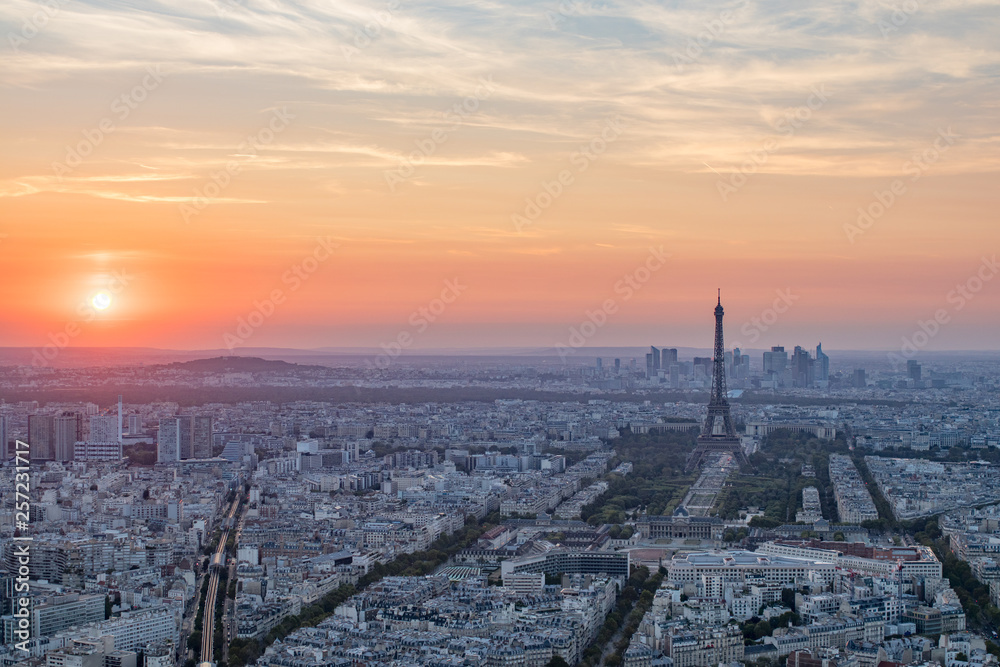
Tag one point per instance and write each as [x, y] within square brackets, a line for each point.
[826, 106]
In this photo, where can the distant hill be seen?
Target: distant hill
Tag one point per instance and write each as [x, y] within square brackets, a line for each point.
[239, 365]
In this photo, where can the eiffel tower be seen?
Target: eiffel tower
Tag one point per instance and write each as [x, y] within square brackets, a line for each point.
[718, 435]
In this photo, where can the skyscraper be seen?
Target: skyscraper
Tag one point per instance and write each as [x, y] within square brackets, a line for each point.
[775, 361]
[740, 365]
[803, 368]
[168, 441]
[7, 450]
[185, 437]
[201, 437]
[41, 437]
[822, 365]
[186, 432]
[68, 430]
[103, 428]
[653, 362]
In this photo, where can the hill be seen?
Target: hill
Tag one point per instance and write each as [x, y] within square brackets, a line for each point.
[239, 365]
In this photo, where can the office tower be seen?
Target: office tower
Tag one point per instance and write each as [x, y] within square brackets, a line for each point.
[600, 364]
[168, 440]
[41, 437]
[803, 368]
[185, 437]
[718, 436]
[67, 431]
[703, 367]
[914, 370]
[618, 365]
[186, 430]
[675, 375]
[134, 424]
[656, 358]
[860, 380]
[119, 438]
[201, 437]
[7, 450]
[739, 371]
[822, 364]
[775, 361]
[103, 428]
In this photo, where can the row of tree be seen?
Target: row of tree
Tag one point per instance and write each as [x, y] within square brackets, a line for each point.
[246, 651]
[639, 584]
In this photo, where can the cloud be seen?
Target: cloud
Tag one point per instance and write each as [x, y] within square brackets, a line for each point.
[698, 83]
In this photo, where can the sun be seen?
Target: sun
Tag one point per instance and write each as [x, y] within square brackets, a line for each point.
[101, 301]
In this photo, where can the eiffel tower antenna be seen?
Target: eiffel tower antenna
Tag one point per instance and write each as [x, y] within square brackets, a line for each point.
[717, 434]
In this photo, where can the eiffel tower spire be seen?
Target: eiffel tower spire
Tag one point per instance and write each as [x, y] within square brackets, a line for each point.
[718, 436]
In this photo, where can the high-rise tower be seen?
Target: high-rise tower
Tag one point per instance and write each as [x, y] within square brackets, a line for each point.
[718, 435]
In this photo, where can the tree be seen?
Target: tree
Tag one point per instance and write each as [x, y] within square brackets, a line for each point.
[762, 629]
[557, 661]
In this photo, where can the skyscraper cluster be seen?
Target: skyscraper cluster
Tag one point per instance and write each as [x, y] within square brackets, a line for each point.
[801, 370]
[184, 437]
[62, 437]
[660, 360]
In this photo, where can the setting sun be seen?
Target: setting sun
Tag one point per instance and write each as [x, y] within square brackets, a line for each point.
[101, 301]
